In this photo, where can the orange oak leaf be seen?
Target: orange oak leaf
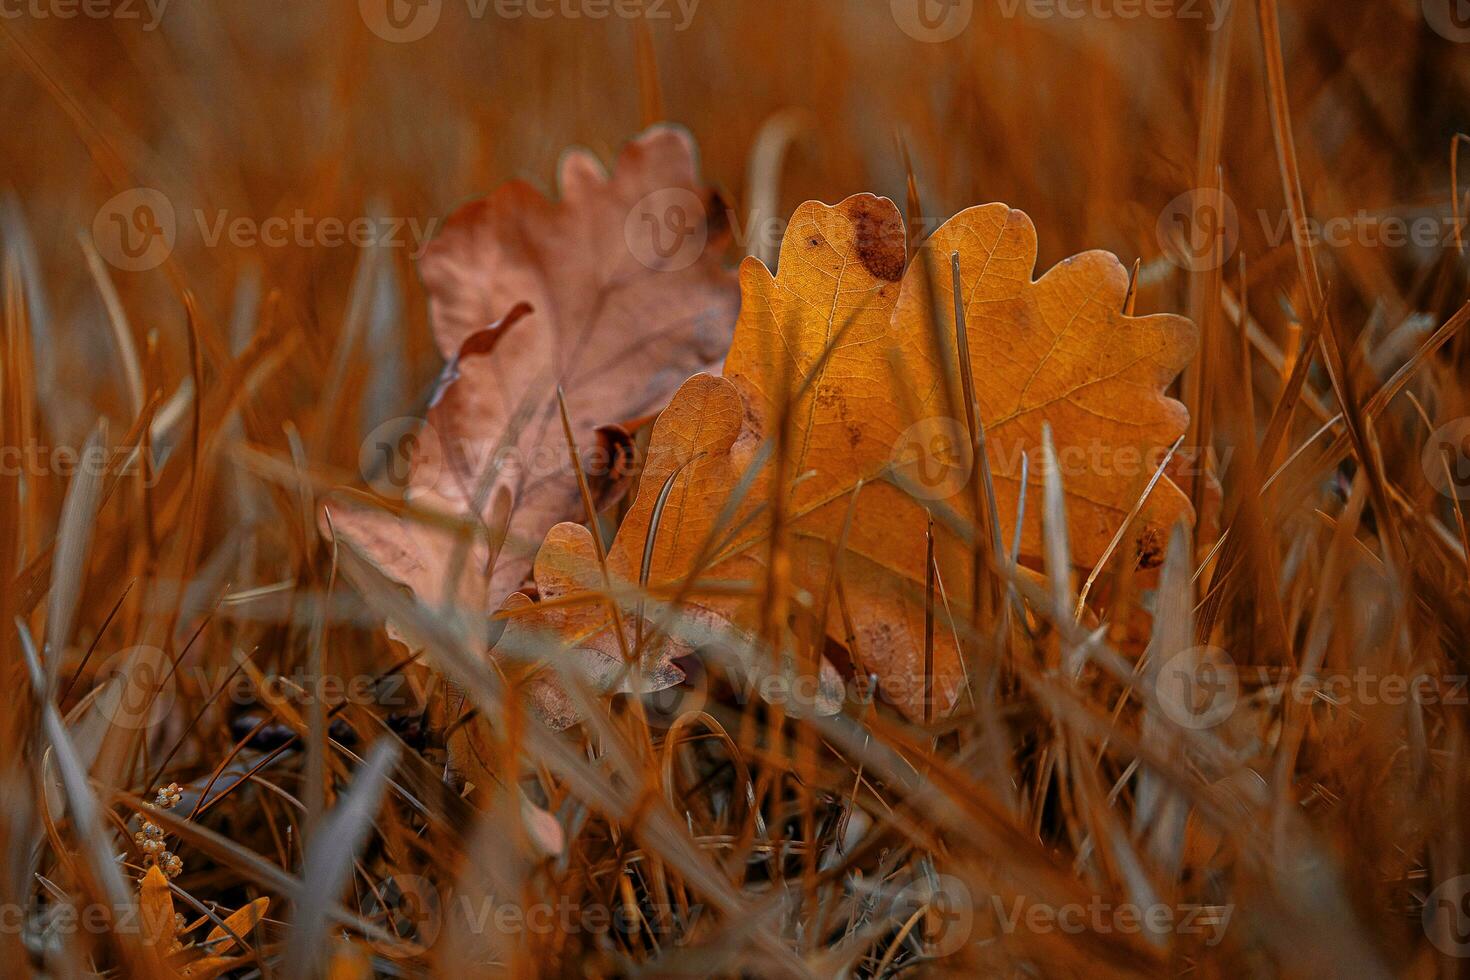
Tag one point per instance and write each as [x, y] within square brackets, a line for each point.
[855, 348]
[615, 293]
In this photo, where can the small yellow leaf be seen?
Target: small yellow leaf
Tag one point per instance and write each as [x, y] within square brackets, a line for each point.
[157, 906]
[240, 923]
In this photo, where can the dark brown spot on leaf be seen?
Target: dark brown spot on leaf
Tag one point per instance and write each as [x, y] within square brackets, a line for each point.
[880, 238]
[1150, 548]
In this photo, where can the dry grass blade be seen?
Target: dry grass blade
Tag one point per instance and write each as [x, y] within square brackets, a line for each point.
[82, 804]
[73, 549]
[329, 860]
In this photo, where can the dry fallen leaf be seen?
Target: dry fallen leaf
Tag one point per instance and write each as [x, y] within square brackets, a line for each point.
[841, 342]
[169, 955]
[616, 293]
[156, 910]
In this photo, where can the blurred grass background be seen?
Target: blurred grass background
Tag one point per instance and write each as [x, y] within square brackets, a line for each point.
[1091, 125]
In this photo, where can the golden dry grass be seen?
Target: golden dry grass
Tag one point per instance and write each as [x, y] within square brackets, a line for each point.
[1314, 828]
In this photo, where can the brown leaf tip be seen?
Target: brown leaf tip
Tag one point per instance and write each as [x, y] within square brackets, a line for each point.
[717, 217]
